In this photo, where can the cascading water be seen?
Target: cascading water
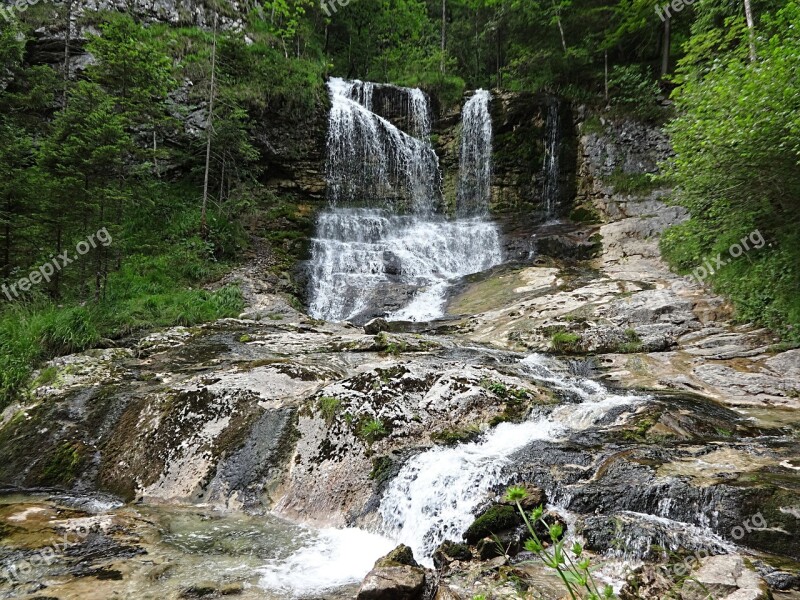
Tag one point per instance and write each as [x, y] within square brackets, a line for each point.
[370, 161]
[435, 495]
[384, 248]
[475, 159]
[551, 159]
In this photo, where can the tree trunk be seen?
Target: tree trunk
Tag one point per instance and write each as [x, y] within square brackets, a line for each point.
[444, 30]
[751, 29]
[605, 75]
[67, 40]
[209, 127]
[665, 48]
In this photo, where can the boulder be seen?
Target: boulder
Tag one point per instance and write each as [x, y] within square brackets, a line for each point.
[376, 326]
[393, 583]
[726, 577]
[400, 556]
[446, 593]
[495, 519]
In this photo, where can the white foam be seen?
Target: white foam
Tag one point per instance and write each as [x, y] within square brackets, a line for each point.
[331, 559]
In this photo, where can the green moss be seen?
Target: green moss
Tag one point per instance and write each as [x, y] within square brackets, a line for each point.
[382, 467]
[451, 437]
[584, 214]
[65, 464]
[497, 518]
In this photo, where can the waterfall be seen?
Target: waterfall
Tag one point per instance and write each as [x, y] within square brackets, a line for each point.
[435, 495]
[384, 247]
[551, 158]
[370, 161]
[364, 257]
[475, 160]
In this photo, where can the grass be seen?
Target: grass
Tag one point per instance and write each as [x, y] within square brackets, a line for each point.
[145, 294]
[372, 430]
[564, 341]
[328, 406]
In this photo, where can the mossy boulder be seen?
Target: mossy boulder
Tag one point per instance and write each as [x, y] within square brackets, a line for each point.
[449, 551]
[400, 556]
[495, 519]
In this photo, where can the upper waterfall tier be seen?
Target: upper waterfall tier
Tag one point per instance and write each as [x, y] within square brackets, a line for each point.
[371, 162]
[475, 161]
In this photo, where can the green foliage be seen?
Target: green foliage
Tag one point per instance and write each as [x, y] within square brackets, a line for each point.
[565, 341]
[736, 166]
[634, 90]
[574, 569]
[372, 430]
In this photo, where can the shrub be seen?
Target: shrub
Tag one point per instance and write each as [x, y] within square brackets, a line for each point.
[372, 430]
[574, 573]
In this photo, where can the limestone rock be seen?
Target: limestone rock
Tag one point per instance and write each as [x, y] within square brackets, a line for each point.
[726, 577]
[376, 326]
[393, 583]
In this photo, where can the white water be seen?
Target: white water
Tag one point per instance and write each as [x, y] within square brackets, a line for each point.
[551, 159]
[399, 256]
[372, 162]
[475, 158]
[360, 254]
[435, 495]
[331, 559]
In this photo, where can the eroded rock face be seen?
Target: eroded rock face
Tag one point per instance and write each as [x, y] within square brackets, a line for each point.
[341, 463]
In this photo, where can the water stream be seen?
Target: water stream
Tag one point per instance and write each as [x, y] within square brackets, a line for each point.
[435, 495]
[552, 162]
[384, 247]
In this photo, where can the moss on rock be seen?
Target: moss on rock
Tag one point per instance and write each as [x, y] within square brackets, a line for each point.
[495, 519]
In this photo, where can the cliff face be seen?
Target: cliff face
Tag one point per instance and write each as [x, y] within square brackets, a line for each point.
[520, 133]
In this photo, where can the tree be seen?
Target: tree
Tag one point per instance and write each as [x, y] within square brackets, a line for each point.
[209, 133]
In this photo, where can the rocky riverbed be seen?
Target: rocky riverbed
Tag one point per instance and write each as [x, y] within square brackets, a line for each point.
[275, 456]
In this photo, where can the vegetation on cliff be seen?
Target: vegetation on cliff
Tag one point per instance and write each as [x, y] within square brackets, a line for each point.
[118, 143]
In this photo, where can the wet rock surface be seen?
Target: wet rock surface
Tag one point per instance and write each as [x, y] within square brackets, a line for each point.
[276, 412]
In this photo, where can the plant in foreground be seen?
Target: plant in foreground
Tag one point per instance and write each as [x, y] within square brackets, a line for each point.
[575, 573]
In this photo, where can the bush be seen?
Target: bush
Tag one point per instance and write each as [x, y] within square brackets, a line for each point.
[634, 91]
